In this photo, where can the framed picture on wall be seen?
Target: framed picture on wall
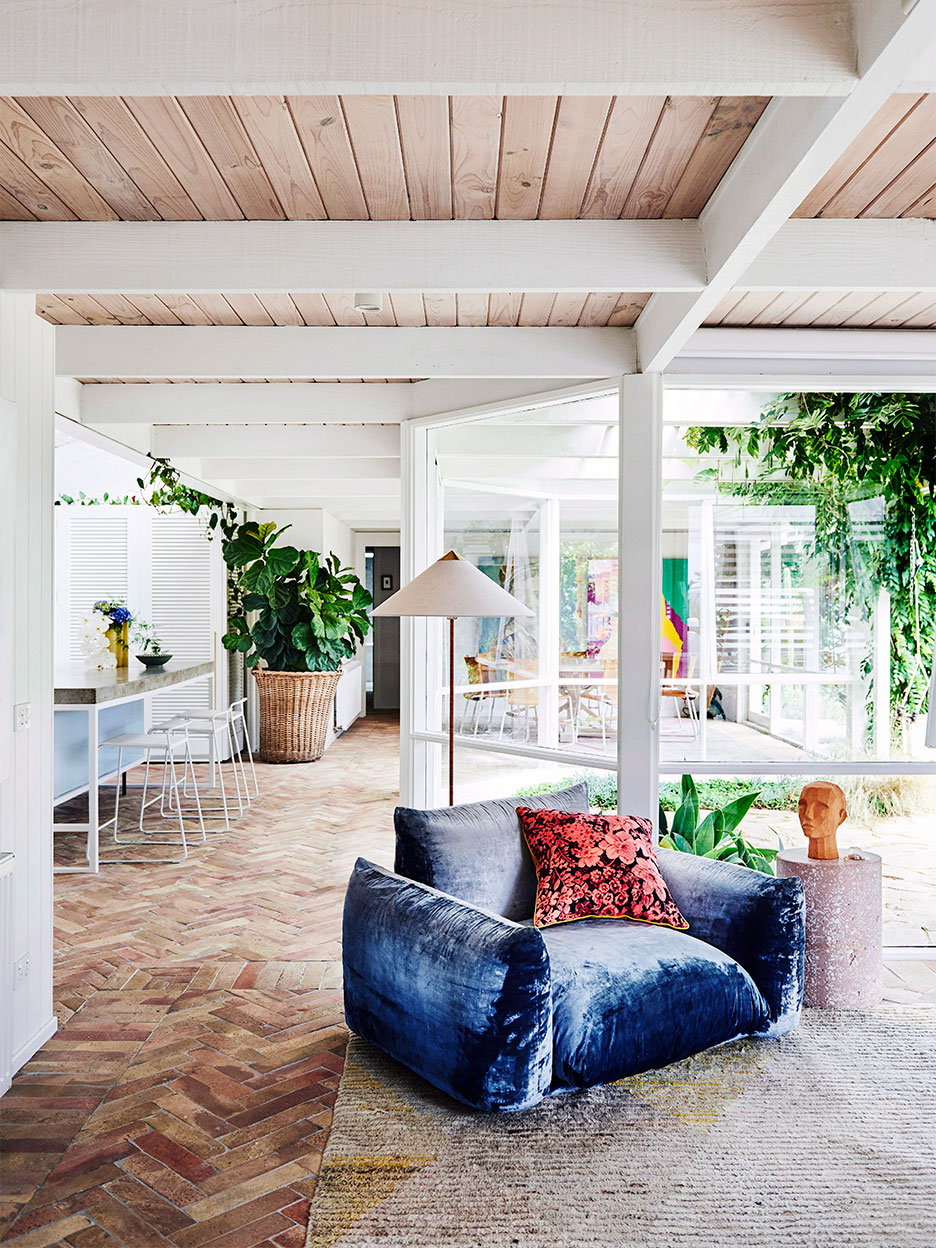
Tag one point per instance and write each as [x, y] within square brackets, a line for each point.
[386, 581]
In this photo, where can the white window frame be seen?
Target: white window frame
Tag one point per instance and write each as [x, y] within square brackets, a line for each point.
[638, 763]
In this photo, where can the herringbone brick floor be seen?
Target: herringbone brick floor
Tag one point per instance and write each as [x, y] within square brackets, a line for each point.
[187, 1096]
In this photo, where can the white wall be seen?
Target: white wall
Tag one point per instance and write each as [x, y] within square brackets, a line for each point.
[313, 529]
[27, 376]
[337, 538]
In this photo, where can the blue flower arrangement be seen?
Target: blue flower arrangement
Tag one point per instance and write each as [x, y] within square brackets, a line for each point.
[116, 612]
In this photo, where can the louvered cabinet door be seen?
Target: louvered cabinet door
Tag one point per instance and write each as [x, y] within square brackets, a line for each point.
[92, 564]
[187, 607]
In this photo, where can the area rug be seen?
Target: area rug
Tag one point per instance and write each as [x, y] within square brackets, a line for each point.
[822, 1139]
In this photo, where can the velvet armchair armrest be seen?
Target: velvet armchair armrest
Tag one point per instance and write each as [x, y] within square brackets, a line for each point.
[756, 919]
[460, 996]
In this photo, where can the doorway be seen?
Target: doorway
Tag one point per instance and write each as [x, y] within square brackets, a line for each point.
[383, 676]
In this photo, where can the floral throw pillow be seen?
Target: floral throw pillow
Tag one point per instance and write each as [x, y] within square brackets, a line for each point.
[596, 867]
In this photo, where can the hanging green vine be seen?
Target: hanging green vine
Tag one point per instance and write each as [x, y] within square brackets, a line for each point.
[166, 489]
[833, 450]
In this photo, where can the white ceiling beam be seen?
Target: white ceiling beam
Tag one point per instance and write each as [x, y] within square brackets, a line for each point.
[264, 442]
[293, 403]
[497, 440]
[248, 47]
[527, 468]
[273, 487]
[231, 403]
[376, 468]
[358, 516]
[284, 470]
[807, 359]
[255, 351]
[464, 256]
[846, 255]
[343, 490]
[792, 145]
[259, 256]
[816, 344]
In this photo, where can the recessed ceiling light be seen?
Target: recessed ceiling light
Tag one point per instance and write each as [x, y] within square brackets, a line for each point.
[368, 302]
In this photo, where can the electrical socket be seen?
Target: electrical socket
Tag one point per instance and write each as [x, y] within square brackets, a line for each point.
[22, 716]
[21, 970]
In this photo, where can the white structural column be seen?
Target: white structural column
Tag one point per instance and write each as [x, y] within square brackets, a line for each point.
[793, 144]
[547, 632]
[421, 644]
[27, 379]
[639, 581]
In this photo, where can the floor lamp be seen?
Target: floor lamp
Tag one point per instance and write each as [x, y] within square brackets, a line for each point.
[449, 588]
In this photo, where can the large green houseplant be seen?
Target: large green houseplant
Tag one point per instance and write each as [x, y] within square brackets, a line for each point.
[306, 614]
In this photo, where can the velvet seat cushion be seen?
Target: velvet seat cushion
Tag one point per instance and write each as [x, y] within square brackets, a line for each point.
[628, 997]
[477, 852]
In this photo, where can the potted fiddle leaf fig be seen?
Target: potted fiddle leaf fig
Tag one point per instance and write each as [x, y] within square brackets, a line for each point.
[307, 614]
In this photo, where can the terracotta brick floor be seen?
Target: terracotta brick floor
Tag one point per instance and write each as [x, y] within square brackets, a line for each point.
[187, 1096]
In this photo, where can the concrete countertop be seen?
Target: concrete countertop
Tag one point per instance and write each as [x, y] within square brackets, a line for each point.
[77, 684]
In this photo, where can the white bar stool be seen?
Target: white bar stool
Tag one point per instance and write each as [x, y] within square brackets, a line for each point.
[166, 740]
[208, 725]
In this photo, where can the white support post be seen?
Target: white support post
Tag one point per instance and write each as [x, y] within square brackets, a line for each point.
[547, 730]
[639, 579]
[708, 660]
[420, 639]
[881, 676]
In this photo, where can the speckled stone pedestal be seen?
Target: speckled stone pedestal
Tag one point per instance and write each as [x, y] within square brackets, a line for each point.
[843, 927]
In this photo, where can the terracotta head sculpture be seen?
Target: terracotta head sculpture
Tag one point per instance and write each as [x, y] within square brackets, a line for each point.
[821, 814]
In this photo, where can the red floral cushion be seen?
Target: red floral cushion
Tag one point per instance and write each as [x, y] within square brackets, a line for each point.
[596, 867]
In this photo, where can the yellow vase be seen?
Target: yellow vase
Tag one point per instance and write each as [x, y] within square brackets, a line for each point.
[118, 642]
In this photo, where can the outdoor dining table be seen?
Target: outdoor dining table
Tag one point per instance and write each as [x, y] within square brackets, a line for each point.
[577, 676]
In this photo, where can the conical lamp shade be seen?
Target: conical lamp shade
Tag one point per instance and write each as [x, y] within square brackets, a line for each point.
[452, 587]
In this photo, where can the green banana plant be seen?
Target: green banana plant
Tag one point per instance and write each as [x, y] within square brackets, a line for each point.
[716, 836]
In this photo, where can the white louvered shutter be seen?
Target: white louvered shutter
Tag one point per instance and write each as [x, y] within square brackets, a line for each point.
[184, 598]
[97, 566]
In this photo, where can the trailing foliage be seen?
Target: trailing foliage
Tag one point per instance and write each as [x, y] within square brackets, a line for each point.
[716, 835]
[81, 499]
[833, 450]
[168, 490]
[312, 612]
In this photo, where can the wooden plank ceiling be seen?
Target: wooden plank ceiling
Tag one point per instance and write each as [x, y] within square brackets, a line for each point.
[888, 171]
[408, 309]
[423, 157]
[359, 157]
[828, 308]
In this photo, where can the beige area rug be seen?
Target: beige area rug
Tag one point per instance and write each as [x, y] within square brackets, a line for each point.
[823, 1139]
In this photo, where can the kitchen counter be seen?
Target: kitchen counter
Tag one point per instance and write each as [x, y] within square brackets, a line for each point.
[77, 684]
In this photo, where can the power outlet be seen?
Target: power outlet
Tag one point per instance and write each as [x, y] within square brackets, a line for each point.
[22, 717]
[21, 970]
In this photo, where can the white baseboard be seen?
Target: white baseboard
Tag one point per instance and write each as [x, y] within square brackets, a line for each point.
[35, 1042]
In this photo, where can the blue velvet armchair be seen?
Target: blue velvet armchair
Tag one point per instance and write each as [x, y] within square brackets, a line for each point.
[444, 971]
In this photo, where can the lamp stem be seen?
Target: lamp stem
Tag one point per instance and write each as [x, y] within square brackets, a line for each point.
[451, 759]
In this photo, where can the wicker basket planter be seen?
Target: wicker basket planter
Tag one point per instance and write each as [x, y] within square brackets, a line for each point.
[295, 714]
